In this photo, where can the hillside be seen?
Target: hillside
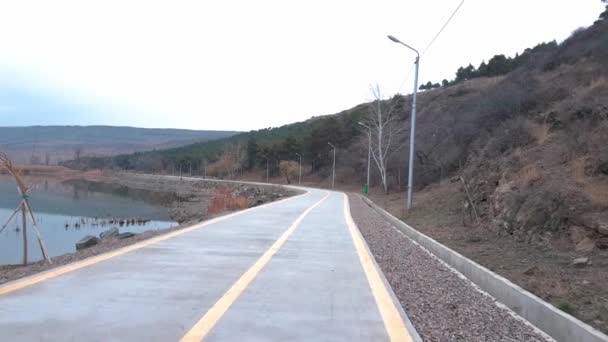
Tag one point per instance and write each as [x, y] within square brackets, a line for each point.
[27, 144]
[528, 135]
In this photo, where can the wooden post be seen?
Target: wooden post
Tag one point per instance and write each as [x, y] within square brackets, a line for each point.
[24, 217]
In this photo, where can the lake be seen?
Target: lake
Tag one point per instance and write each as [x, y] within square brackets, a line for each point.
[67, 211]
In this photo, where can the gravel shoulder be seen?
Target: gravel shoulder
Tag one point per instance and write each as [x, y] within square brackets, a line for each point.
[442, 305]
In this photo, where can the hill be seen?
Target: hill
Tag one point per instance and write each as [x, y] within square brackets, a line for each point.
[32, 143]
[527, 135]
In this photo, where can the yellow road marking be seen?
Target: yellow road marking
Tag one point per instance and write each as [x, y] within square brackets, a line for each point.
[393, 322]
[55, 272]
[210, 319]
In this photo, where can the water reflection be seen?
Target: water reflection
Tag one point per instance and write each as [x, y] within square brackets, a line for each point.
[67, 211]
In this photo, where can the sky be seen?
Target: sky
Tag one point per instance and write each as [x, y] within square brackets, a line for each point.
[244, 65]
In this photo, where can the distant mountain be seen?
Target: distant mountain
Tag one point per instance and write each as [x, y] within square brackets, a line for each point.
[32, 143]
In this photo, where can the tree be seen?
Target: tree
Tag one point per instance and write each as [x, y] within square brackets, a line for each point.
[604, 15]
[77, 153]
[445, 83]
[289, 148]
[482, 71]
[427, 86]
[289, 169]
[252, 153]
[316, 148]
[498, 65]
[463, 74]
[232, 159]
[47, 158]
[385, 131]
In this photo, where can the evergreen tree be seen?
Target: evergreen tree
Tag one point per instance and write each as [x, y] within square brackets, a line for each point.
[445, 83]
[482, 71]
[498, 65]
[252, 153]
[289, 148]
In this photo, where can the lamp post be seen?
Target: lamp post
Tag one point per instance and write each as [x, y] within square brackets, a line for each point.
[300, 169]
[369, 152]
[410, 176]
[333, 170]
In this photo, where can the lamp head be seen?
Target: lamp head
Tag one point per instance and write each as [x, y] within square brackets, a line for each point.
[394, 39]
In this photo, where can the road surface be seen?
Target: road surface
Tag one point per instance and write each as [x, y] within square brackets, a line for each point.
[292, 270]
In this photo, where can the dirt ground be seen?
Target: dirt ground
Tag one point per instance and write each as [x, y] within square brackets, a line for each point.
[546, 270]
[188, 202]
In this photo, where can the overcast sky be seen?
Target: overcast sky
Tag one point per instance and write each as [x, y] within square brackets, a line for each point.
[242, 65]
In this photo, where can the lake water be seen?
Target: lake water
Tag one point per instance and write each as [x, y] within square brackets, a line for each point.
[67, 211]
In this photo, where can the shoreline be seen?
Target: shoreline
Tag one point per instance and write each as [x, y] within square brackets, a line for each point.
[188, 201]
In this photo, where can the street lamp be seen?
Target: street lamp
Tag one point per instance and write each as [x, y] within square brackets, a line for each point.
[333, 170]
[369, 152]
[410, 177]
[300, 171]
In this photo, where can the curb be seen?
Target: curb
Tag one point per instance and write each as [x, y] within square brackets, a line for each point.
[544, 316]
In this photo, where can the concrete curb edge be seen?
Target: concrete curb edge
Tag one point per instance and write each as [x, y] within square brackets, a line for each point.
[552, 321]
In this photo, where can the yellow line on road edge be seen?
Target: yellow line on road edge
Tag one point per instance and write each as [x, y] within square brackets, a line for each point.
[210, 319]
[393, 322]
[55, 272]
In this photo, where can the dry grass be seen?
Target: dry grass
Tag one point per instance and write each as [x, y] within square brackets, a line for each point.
[224, 199]
[540, 132]
[529, 175]
[595, 189]
[598, 82]
[579, 167]
[597, 193]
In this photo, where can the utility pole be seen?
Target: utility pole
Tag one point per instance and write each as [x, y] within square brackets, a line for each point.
[369, 153]
[300, 170]
[410, 176]
[333, 170]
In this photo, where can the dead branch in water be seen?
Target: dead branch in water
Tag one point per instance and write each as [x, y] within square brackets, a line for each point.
[24, 206]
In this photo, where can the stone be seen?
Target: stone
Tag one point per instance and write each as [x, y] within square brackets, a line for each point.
[602, 228]
[125, 235]
[603, 168]
[109, 233]
[86, 242]
[585, 245]
[602, 243]
[581, 262]
[531, 270]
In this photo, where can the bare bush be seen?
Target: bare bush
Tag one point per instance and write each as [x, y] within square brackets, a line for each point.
[289, 169]
[539, 131]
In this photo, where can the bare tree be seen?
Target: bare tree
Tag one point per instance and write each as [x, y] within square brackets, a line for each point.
[77, 153]
[232, 159]
[47, 158]
[24, 207]
[289, 169]
[385, 131]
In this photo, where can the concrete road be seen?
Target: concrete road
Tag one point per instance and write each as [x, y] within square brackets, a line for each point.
[292, 270]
